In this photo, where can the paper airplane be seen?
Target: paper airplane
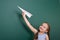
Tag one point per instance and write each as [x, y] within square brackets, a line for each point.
[27, 13]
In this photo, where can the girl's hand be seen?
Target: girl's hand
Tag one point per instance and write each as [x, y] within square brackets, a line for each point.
[23, 14]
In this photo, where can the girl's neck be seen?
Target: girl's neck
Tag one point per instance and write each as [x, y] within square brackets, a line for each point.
[41, 32]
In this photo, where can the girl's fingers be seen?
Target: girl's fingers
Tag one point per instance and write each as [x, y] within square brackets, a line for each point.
[23, 13]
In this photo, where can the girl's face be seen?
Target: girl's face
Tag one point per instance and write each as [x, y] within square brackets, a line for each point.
[43, 27]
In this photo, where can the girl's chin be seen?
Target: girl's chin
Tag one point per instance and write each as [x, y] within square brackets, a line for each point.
[41, 30]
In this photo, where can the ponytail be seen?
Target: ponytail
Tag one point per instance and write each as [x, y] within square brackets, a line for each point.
[48, 35]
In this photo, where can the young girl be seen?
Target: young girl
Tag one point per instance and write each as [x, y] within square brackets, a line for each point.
[42, 33]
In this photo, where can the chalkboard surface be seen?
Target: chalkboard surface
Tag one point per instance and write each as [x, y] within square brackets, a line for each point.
[12, 25]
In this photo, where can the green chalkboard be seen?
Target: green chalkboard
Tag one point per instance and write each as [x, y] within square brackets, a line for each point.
[12, 25]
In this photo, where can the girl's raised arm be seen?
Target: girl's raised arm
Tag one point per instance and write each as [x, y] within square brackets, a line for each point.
[28, 24]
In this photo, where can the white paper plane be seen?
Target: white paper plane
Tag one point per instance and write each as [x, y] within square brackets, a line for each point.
[27, 13]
